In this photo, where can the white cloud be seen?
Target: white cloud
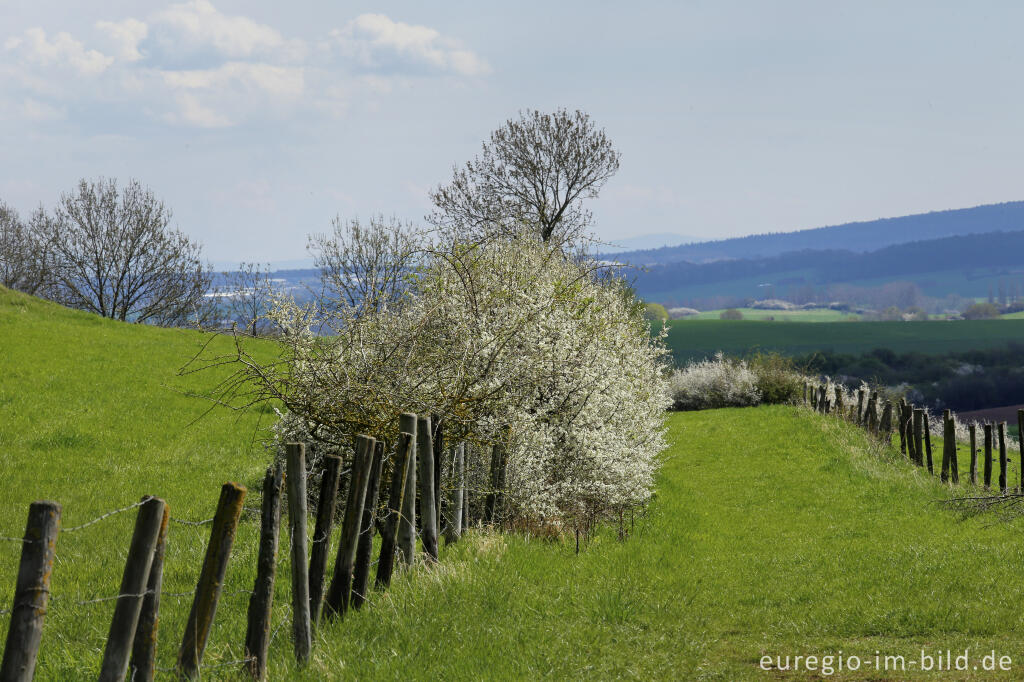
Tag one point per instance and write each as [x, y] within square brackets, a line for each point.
[376, 41]
[192, 112]
[280, 81]
[34, 47]
[200, 23]
[126, 36]
[191, 64]
[34, 110]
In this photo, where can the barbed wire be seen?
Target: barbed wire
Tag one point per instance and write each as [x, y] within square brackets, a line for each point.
[103, 516]
[186, 522]
[24, 541]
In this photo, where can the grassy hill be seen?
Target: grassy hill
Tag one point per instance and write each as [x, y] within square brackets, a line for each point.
[695, 339]
[774, 531]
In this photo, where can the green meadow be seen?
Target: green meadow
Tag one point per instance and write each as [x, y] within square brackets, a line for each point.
[774, 531]
[696, 339]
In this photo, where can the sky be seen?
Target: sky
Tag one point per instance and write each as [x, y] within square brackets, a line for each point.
[258, 122]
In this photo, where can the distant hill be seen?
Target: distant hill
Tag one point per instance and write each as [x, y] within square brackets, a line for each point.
[857, 237]
[964, 265]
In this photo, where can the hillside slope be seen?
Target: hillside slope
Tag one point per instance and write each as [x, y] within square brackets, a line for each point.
[774, 531]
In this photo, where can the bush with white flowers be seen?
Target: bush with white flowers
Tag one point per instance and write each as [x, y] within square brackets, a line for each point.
[510, 342]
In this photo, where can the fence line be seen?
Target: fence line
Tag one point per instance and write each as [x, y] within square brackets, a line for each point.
[359, 527]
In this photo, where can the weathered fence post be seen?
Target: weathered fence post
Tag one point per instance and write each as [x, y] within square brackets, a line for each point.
[257, 630]
[1020, 442]
[31, 592]
[339, 592]
[295, 454]
[142, 666]
[438, 452]
[948, 439]
[133, 587]
[1002, 457]
[860, 406]
[364, 550]
[919, 435]
[873, 414]
[407, 521]
[972, 430]
[885, 428]
[840, 407]
[988, 455]
[928, 442]
[211, 579]
[322, 534]
[902, 424]
[386, 560]
[454, 529]
[428, 509]
[805, 393]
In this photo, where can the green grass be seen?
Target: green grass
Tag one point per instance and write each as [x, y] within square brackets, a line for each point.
[774, 531]
[814, 315]
[695, 339]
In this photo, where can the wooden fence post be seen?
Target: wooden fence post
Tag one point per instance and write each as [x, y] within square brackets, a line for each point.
[860, 406]
[901, 412]
[948, 439]
[438, 452]
[133, 587]
[919, 435]
[211, 579]
[322, 534]
[339, 593]
[885, 428]
[928, 442]
[407, 521]
[1002, 457]
[364, 550]
[988, 455]
[428, 508]
[972, 430]
[386, 560]
[142, 666]
[873, 414]
[31, 592]
[1020, 442]
[805, 393]
[840, 407]
[302, 635]
[257, 631]
[454, 529]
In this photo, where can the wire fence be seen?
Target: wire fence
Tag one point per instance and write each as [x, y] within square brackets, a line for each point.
[31, 603]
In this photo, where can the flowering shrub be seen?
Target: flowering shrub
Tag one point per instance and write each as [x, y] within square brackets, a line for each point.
[711, 383]
[509, 343]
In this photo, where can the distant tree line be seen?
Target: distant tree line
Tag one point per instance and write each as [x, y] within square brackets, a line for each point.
[110, 251]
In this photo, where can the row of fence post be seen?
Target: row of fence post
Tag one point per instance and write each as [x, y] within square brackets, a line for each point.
[130, 650]
[914, 431]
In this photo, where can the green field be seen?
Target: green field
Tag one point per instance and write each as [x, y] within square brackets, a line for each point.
[814, 315]
[695, 339]
[774, 531]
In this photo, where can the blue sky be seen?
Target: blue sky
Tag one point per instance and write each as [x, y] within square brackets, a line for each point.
[257, 122]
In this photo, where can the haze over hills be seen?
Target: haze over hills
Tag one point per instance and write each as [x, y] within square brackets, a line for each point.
[858, 237]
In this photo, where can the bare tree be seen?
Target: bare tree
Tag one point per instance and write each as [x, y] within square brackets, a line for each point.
[365, 267]
[24, 250]
[115, 255]
[534, 172]
[247, 294]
